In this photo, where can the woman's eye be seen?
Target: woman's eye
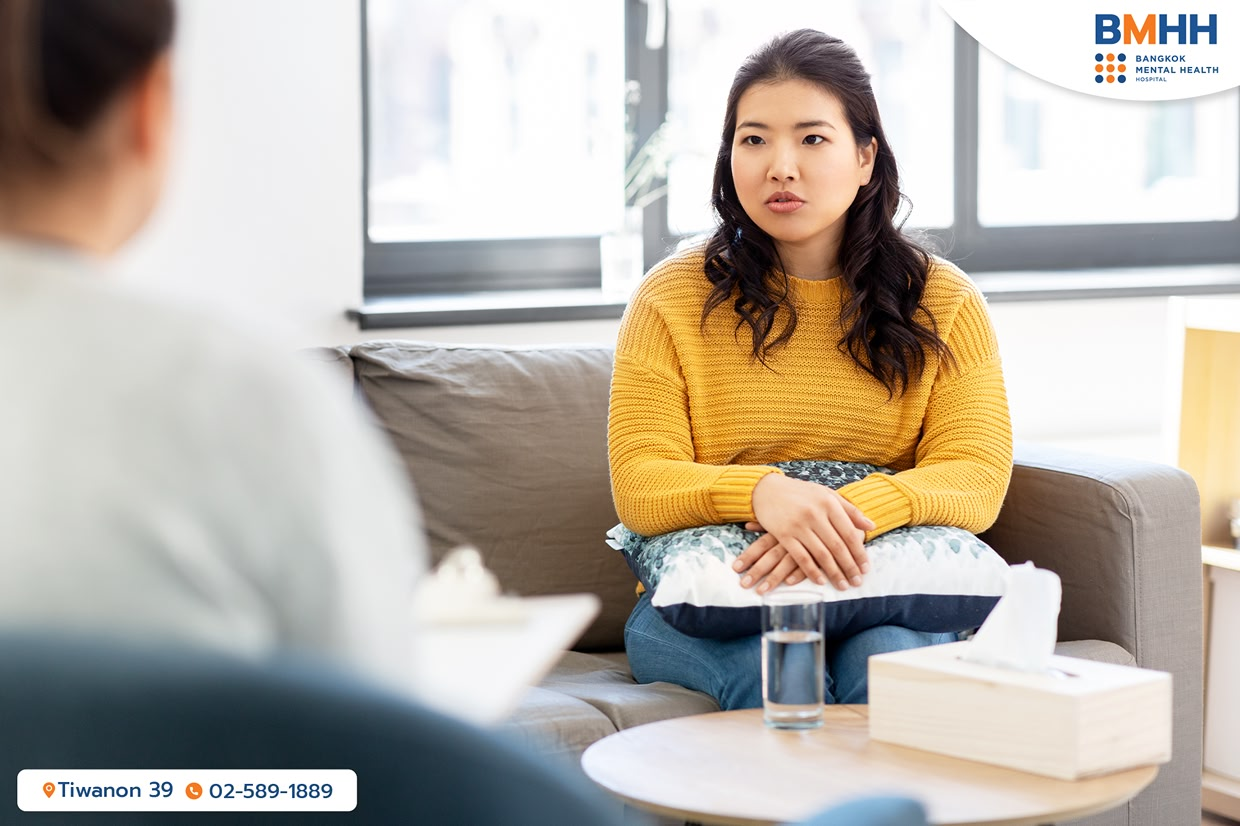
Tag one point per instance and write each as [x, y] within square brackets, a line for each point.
[814, 140]
[751, 140]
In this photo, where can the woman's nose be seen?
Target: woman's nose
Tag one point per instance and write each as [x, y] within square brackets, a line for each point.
[783, 166]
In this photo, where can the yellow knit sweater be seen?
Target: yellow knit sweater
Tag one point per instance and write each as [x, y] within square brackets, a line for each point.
[694, 418]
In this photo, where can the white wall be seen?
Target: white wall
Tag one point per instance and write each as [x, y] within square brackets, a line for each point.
[262, 217]
[1087, 374]
[263, 222]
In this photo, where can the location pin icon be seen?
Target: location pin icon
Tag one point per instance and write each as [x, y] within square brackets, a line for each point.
[49, 789]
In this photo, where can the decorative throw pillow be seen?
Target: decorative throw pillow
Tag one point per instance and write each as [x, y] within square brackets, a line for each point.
[924, 577]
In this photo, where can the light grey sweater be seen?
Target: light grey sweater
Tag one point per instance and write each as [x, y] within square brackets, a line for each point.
[164, 478]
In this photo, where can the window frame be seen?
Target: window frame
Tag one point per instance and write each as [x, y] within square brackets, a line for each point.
[977, 248]
[422, 268]
[508, 267]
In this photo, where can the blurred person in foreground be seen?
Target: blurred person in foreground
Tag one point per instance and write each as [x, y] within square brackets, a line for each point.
[161, 478]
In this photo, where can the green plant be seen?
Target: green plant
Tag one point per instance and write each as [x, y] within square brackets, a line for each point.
[645, 176]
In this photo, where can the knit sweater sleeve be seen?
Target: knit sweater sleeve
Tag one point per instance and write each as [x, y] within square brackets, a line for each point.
[963, 460]
[656, 483]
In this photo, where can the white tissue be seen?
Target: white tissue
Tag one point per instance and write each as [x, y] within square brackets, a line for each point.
[463, 591]
[1021, 630]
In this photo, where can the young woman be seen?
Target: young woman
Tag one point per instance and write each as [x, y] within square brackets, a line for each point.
[163, 478]
[807, 327]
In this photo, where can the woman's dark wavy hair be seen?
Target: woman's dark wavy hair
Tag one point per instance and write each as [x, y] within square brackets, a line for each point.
[61, 63]
[887, 332]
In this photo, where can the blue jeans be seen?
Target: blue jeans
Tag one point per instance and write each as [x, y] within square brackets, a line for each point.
[731, 670]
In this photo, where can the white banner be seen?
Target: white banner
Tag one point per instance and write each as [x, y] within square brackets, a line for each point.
[1162, 50]
[186, 790]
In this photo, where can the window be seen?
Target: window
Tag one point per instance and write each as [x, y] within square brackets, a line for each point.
[909, 55]
[1054, 180]
[494, 119]
[498, 132]
[1047, 156]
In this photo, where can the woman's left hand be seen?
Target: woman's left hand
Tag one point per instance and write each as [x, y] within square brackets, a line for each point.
[766, 564]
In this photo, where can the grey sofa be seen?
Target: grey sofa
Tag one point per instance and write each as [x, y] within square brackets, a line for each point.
[506, 446]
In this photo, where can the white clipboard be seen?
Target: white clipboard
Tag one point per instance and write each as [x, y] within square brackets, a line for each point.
[479, 670]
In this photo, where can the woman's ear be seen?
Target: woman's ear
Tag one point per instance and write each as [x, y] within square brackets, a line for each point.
[865, 157]
[151, 113]
[140, 143]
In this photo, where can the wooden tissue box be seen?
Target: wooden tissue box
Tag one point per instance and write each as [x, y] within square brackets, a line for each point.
[1088, 718]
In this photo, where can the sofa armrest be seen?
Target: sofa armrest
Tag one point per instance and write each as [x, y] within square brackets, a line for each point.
[1125, 538]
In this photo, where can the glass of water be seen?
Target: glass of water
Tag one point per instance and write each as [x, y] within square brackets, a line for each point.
[793, 667]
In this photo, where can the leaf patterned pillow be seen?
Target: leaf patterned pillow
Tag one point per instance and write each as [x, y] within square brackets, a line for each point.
[924, 577]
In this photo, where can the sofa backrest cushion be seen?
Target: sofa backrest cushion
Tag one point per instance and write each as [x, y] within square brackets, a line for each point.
[507, 447]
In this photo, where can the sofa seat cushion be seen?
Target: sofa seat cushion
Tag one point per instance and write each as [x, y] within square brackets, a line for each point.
[555, 724]
[1098, 650]
[607, 684]
[507, 447]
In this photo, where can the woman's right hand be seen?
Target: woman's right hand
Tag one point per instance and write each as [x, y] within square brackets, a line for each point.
[822, 531]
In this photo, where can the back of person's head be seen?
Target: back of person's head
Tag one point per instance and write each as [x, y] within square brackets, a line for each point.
[63, 65]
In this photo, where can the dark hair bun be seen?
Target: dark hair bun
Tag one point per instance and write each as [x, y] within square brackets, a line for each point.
[62, 62]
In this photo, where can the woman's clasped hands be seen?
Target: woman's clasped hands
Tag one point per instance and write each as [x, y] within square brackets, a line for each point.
[811, 532]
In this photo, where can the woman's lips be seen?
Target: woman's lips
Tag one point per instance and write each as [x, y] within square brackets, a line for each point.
[784, 205]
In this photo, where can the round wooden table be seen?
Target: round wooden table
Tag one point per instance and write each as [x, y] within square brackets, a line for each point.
[729, 768]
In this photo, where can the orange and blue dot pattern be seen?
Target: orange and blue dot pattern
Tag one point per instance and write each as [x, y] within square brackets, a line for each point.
[1110, 67]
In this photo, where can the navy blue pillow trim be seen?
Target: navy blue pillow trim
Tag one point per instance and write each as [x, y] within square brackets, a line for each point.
[936, 613]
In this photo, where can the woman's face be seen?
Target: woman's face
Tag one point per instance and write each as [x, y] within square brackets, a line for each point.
[797, 167]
